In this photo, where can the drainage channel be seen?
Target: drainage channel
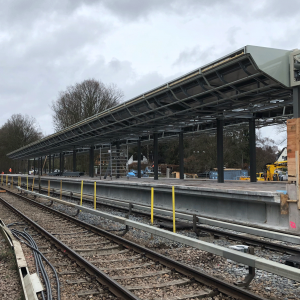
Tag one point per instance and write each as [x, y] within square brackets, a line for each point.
[138, 267]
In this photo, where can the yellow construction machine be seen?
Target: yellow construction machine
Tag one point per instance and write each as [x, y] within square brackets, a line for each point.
[274, 170]
[259, 177]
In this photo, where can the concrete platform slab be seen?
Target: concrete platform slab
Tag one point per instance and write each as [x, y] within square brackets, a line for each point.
[257, 203]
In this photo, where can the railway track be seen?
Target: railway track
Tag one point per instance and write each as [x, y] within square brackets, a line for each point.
[228, 234]
[139, 271]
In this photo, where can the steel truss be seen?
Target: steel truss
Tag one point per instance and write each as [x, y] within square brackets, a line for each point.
[233, 91]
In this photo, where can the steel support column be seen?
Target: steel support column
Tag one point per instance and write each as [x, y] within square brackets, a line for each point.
[74, 160]
[53, 160]
[41, 166]
[118, 160]
[34, 166]
[49, 163]
[155, 158]
[181, 161]
[28, 165]
[252, 148]
[139, 165]
[220, 158]
[296, 102]
[91, 165]
[60, 163]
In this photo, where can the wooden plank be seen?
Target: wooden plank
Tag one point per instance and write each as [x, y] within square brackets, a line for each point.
[284, 206]
[127, 258]
[197, 295]
[297, 175]
[159, 285]
[293, 130]
[88, 293]
[128, 268]
[142, 275]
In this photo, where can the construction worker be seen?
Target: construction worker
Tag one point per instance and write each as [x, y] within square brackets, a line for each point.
[9, 170]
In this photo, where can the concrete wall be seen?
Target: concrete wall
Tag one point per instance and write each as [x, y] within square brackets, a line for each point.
[262, 208]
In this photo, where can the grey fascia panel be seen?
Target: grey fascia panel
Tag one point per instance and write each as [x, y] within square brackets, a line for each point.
[274, 62]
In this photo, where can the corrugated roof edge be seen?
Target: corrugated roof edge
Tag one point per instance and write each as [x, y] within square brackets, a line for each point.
[129, 102]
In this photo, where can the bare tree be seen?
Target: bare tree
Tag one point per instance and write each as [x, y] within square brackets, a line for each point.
[17, 132]
[83, 100]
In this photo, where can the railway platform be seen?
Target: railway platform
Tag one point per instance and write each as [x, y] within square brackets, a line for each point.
[257, 203]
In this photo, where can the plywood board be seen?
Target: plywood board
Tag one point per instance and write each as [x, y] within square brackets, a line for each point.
[284, 206]
[293, 145]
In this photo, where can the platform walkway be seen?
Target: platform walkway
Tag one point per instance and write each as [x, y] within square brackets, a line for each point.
[249, 203]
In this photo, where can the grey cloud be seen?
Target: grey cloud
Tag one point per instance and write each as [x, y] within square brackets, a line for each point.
[196, 56]
[32, 91]
[136, 9]
[232, 31]
[144, 83]
[25, 12]
[278, 8]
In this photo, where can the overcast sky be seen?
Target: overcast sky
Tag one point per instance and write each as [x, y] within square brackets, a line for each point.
[46, 45]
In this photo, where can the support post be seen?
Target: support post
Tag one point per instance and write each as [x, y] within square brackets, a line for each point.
[252, 148]
[74, 160]
[91, 167]
[100, 162]
[95, 195]
[53, 160]
[173, 205]
[118, 159]
[296, 102]
[49, 163]
[181, 157]
[152, 204]
[139, 158]
[60, 163]
[155, 146]
[81, 190]
[28, 166]
[247, 280]
[41, 166]
[220, 158]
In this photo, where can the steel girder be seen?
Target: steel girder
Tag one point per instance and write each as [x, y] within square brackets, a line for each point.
[232, 90]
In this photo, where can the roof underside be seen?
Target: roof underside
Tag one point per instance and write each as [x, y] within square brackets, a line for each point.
[234, 90]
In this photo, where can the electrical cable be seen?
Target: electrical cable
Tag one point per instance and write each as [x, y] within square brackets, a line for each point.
[27, 239]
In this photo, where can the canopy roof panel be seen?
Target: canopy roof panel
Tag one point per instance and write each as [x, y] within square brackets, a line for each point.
[245, 83]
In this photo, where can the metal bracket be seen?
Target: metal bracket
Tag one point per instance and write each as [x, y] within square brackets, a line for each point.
[78, 211]
[195, 229]
[125, 231]
[127, 217]
[71, 194]
[129, 211]
[251, 274]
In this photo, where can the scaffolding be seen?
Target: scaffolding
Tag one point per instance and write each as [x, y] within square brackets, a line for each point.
[113, 161]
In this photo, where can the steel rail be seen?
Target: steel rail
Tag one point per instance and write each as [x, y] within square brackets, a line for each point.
[66, 193]
[206, 279]
[104, 279]
[234, 236]
[74, 196]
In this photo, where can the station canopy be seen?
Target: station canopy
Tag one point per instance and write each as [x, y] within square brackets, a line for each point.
[250, 82]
